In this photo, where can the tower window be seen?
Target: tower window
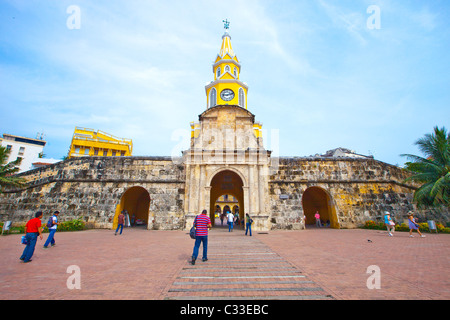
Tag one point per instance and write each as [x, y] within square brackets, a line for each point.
[241, 98]
[212, 98]
[235, 72]
[218, 72]
[227, 69]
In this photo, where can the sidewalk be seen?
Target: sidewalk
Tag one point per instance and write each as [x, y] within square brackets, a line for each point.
[154, 265]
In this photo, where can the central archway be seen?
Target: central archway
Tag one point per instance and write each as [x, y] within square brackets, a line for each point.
[316, 199]
[226, 182]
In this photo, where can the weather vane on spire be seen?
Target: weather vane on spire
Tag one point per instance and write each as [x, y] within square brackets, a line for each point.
[226, 24]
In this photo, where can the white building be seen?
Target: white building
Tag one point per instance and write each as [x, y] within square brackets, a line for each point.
[26, 148]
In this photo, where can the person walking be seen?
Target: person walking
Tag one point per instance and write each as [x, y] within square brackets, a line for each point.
[33, 229]
[230, 221]
[317, 216]
[222, 216]
[120, 222]
[248, 224]
[52, 226]
[413, 225]
[201, 223]
[390, 225]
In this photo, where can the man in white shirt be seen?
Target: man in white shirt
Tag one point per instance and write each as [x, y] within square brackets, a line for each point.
[52, 229]
[230, 221]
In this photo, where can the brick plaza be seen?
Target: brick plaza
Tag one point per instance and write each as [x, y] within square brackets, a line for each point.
[312, 264]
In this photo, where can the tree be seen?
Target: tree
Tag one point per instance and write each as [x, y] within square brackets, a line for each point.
[8, 170]
[433, 170]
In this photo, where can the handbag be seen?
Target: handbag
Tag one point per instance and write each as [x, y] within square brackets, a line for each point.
[23, 240]
[192, 231]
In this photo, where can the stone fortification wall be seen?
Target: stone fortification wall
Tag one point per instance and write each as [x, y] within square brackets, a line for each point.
[359, 189]
[91, 188]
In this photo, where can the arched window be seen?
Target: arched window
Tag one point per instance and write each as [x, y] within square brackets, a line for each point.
[235, 72]
[227, 68]
[212, 98]
[218, 72]
[241, 98]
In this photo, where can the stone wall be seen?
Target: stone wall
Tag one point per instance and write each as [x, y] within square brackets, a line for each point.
[91, 188]
[360, 189]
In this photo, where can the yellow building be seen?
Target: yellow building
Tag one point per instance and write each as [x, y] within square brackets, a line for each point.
[88, 142]
[226, 203]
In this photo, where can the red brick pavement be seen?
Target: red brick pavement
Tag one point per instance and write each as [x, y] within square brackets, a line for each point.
[142, 264]
[337, 260]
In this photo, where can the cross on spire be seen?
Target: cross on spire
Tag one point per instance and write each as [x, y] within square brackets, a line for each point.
[226, 24]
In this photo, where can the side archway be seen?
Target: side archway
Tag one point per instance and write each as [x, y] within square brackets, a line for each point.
[136, 200]
[316, 199]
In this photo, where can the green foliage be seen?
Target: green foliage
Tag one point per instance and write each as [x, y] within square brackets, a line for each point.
[433, 170]
[72, 225]
[8, 170]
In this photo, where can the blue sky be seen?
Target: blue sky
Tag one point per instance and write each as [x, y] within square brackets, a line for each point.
[318, 76]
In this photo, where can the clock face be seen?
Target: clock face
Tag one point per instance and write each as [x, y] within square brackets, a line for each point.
[227, 95]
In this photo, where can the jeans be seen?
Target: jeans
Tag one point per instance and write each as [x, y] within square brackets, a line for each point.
[230, 226]
[29, 249]
[198, 240]
[121, 228]
[51, 238]
[248, 227]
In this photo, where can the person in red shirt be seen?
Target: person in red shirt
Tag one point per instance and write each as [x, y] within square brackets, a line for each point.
[201, 223]
[33, 229]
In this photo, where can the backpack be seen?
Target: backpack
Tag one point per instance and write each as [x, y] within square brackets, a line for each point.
[50, 222]
[192, 231]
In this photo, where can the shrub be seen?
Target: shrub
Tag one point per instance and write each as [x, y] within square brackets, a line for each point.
[72, 225]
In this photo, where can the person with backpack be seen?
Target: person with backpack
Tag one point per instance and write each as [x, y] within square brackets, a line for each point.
[201, 223]
[248, 224]
[52, 225]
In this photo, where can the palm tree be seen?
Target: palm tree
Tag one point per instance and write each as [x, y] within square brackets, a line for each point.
[433, 170]
[8, 170]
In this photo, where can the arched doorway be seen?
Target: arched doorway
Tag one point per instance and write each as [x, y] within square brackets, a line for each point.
[136, 200]
[226, 182]
[317, 199]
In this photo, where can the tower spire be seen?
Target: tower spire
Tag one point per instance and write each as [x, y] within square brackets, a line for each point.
[226, 88]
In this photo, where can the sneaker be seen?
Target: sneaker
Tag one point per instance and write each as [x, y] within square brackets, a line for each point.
[204, 260]
[193, 261]
[45, 247]
[422, 236]
[390, 234]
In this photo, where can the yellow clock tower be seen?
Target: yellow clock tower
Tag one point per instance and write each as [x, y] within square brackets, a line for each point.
[226, 89]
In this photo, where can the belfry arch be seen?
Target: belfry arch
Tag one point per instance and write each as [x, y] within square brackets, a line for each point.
[226, 182]
[316, 199]
[136, 200]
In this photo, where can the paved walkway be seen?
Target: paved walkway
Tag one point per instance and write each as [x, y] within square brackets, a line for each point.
[307, 264]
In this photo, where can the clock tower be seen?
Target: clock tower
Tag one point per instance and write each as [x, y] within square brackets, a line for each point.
[226, 88]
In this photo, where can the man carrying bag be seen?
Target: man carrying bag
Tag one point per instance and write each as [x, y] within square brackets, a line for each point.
[201, 223]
